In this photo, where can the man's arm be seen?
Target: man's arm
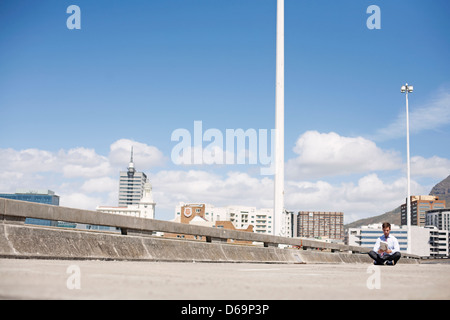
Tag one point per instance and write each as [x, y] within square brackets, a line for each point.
[376, 247]
[396, 246]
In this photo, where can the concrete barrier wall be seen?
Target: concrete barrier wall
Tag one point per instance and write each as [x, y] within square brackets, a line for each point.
[18, 240]
[14, 210]
[23, 241]
[36, 242]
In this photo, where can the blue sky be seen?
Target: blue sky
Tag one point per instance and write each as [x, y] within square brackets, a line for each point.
[72, 102]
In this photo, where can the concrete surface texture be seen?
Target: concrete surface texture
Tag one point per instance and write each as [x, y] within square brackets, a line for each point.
[15, 212]
[87, 279]
[20, 241]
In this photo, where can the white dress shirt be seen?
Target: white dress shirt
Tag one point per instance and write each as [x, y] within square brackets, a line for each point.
[392, 244]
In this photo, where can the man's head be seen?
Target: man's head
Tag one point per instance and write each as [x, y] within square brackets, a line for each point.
[386, 228]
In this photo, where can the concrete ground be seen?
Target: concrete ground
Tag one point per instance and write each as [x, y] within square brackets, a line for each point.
[70, 279]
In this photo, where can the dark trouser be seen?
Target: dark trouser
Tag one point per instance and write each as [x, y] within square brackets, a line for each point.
[386, 257]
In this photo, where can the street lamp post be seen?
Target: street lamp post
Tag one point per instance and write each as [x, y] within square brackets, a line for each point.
[278, 213]
[407, 89]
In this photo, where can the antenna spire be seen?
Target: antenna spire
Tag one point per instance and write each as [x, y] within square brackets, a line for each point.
[131, 160]
[131, 169]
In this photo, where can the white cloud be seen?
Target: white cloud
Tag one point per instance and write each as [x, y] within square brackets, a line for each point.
[103, 184]
[79, 200]
[86, 179]
[171, 187]
[80, 156]
[77, 162]
[145, 156]
[370, 196]
[434, 167]
[80, 162]
[430, 116]
[208, 155]
[26, 161]
[80, 176]
[329, 154]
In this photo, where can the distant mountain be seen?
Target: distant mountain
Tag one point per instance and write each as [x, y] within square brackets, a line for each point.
[442, 190]
[392, 217]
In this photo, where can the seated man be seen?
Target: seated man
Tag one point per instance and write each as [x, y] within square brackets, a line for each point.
[392, 254]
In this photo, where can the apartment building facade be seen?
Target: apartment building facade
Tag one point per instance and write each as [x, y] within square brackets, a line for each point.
[419, 207]
[319, 224]
[438, 221]
[242, 217]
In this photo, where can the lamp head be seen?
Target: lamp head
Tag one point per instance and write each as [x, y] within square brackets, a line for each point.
[403, 89]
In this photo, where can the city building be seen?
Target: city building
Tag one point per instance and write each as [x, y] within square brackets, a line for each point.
[242, 217]
[438, 221]
[439, 242]
[289, 229]
[208, 216]
[440, 218]
[319, 225]
[131, 185]
[291, 222]
[39, 196]
[185, 212]
[420, 241]
[419, 206]
[45, 196]
[145, 208]
[366, 236]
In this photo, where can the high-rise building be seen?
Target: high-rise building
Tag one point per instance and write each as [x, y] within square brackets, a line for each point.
[438, 242]
[438, 221]
[317, 224]
[131, 185]
[419, 206]
[135, 194]
[440, 218]
[39, 196]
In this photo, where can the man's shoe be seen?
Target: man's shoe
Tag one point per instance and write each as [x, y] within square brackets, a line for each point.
[389, 263]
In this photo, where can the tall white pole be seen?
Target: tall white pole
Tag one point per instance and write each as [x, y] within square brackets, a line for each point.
[408, 173]
[278, 215]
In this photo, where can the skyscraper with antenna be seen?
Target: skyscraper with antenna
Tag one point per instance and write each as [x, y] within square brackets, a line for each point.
[131, 184]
